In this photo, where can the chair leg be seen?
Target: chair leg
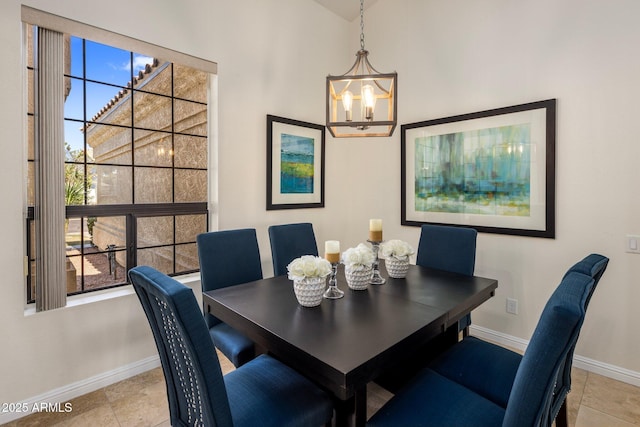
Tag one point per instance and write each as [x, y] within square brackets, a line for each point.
[562, 418]
[465, 332]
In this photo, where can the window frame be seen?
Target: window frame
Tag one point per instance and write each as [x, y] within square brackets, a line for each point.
[134, 210]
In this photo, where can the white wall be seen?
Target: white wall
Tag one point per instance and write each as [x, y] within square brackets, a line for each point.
[271, 60]
[456, 57]
[452, 57]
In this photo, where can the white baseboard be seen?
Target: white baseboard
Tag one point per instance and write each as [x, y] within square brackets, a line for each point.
[601, 368]
[79, 388]
[498, 337]
[607, 370]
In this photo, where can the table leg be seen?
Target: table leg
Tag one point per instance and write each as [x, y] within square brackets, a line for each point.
[451, 336]
[361, 407]
[352, 412]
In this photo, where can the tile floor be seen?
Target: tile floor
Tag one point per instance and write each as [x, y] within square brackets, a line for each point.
[595, 401]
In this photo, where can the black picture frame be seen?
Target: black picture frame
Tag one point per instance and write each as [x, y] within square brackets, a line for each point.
[492, 170]
[295, 164]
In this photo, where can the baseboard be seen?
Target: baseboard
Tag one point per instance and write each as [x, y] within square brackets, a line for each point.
[611, 371]
[607, 370]
[79, 388]
[498, 337]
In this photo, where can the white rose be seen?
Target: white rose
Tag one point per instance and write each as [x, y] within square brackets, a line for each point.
[324, 267]
[358, 257]
[308, 266]
[396, 249]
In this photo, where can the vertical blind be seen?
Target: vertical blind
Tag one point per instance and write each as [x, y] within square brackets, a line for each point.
[49, 212]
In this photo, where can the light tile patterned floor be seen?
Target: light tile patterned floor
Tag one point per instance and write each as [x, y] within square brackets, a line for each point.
[595, 401]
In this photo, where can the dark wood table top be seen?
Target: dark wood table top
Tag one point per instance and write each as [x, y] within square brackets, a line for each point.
[345, 343]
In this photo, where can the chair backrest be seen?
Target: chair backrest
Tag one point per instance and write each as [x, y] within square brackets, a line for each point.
[531, 400]
[228, 258]
[592, 265]
[195, 385]
[290, 241]
[447, 248]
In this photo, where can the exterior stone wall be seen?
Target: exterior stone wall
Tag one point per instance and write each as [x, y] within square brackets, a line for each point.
[153, 147]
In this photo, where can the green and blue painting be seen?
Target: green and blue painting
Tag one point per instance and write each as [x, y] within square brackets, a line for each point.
[485, 171]
[296, 164]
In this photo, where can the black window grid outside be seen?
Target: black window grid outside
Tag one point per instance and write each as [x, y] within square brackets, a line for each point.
[131, 211]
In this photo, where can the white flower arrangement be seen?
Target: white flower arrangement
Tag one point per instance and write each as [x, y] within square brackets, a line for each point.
[358, 258]
[396, 249]
[308, 266]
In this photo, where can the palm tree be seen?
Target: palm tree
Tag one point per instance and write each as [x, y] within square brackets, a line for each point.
[75, 181]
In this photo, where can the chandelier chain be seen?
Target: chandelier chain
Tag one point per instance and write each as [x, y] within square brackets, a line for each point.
[362, 24]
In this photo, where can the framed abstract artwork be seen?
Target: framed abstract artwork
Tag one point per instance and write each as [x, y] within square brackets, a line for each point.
[295, 164]
[492, 170]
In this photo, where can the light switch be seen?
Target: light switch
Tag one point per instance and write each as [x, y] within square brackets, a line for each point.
[633, 244]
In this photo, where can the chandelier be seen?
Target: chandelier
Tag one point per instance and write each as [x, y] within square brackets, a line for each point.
[362, 102]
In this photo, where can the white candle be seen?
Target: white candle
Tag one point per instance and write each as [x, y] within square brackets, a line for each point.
[375, 230]
[332, 246]
[332, 251]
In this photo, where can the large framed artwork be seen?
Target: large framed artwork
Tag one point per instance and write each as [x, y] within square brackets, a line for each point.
[295, 164]
[492, 170]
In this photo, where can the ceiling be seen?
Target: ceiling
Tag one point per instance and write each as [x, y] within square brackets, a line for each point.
[348, 9]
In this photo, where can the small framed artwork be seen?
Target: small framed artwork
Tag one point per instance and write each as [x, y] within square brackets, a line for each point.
[295, 164]
[492, 170]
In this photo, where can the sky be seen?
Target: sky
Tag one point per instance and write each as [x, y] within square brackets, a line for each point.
[103, 63]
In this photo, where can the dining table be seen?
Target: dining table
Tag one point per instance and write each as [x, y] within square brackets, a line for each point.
[343, 344]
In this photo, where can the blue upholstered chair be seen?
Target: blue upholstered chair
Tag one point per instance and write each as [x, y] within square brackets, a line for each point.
[228, 258]
[501, 365]
[290, 241]
[451, 249]
[482, 384]
[262, 392]
[592, 265]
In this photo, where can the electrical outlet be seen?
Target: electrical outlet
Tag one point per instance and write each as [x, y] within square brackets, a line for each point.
[512, 306]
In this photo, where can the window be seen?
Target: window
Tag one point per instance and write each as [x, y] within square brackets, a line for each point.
[135, 163]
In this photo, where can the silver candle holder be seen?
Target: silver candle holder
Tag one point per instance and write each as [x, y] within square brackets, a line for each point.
[377, 279]
[332, 291]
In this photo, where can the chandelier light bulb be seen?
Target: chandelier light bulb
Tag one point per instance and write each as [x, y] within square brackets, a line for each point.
[368, 101]
[347, 103]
